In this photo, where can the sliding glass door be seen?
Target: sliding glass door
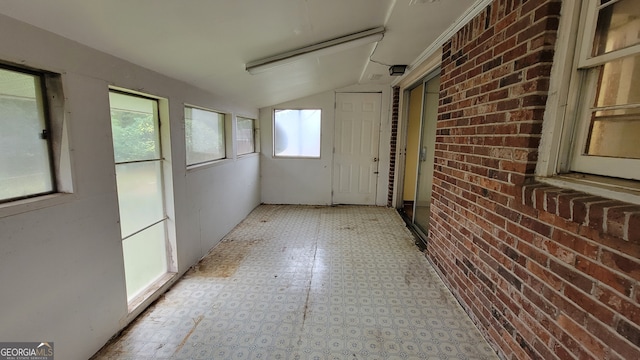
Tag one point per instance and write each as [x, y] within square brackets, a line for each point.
[421, 115]
[425, 156]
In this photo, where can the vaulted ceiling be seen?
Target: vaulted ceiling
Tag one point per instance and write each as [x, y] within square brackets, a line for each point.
[208, 42]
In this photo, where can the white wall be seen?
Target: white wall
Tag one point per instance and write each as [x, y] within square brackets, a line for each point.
[308, 181]
[61, 266]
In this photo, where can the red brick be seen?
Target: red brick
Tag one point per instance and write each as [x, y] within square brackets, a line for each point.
[580, 208]
[534, 100]
[624, 264]
[618, 303]
[633, 228]
[617, 219]
[595, 346]
[629, 332]
[557, 222]
[618, 282]
[596, 213]
[571, 275]
[536, 226]
[508, 104]
[539, 70]
[562, 352]
[589, 304]
[543, 350]
[544, 275]
[614, 340]
[539, 301]
[551, 8]
[559, 252]
[576, 243]
[565, 306]
[564, 203]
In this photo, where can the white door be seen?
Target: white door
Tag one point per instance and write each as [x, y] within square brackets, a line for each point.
[355, 158]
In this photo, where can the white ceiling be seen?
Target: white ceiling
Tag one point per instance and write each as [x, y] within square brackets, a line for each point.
[208, 42]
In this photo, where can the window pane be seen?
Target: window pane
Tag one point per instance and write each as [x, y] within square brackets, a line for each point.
[134, 125]
[619, 82]
[25, 167]
[244, 136]
[615, 134]
[297, 133]
[615, 125]
[145, 259]
[618, 27]
[204, 132]
[139, 195]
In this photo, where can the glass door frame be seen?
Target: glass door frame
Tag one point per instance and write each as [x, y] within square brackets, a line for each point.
[421, 233]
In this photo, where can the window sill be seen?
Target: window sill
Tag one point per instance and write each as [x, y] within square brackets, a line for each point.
[609, 206]
[627, 191]
[206, 165]
[33, 204]
[247, 155]
[297, 157]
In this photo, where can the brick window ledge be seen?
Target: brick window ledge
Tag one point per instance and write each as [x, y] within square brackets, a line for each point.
[608, 217]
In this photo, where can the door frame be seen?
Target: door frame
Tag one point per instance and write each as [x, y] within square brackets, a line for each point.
[383, 105]
[402, 149]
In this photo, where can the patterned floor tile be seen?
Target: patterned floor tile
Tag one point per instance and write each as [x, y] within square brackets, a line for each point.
[307, 282]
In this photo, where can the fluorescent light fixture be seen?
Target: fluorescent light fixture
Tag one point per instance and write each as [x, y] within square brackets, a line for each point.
[323, 48]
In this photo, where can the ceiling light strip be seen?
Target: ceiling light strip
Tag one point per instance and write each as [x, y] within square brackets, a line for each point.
[323, 48]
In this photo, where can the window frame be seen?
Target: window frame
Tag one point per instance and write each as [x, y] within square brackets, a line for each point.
[274, 139]
[48, 88]
[225, 140]
[254, 132]
[561, 116]
[586, 79]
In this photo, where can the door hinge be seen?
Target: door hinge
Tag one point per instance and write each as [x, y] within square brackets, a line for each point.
[44, 135]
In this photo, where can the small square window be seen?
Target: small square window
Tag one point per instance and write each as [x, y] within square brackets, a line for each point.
[205, 135]
[297, 133]
[25, 151]
[245, 135]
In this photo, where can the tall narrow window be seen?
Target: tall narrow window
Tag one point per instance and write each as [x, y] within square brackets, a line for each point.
[297, 133]
[25, 152]
[245, 135]
[138, 157]
[205, 135]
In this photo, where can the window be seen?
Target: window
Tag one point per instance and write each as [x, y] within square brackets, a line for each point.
[205, 135]
[137, 147]
[608, 73]
[245, 135]
[26, 167]
[297, 133]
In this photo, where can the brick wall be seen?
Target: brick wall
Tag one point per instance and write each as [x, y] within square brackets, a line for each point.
[545, 273]
[395, 113]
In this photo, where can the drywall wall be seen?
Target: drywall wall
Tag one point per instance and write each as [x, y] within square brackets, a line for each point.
[309, 181]
[61, 266]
